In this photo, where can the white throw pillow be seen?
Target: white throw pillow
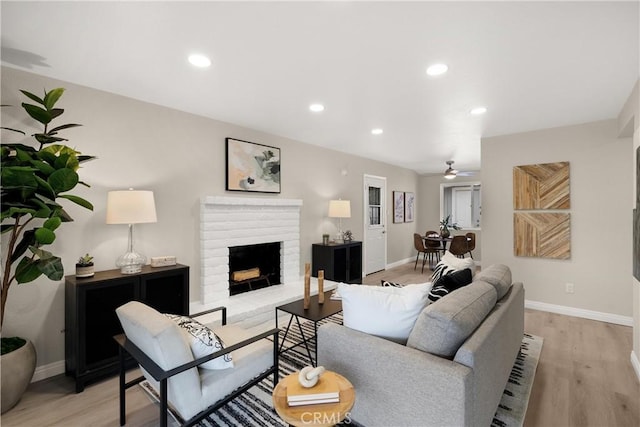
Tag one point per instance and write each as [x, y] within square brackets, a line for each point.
[203, 342]
[386, 312]
[450, 263]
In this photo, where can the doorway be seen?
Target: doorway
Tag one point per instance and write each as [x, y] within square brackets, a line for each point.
[375, 220]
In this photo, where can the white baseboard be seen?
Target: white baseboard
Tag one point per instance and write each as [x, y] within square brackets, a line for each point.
[401, 262]
[636, 364]
[580, 312]
[47, 371]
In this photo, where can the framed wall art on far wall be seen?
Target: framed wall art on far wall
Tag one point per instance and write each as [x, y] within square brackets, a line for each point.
[252, 167]
[409, 206]
[398, 206]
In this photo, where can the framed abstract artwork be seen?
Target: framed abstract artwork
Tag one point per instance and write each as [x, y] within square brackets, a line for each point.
[542, 235]
[252, 167]
[398, 206]
[409, 206]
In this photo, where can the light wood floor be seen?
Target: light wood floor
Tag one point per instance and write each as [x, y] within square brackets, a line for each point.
[584, 378]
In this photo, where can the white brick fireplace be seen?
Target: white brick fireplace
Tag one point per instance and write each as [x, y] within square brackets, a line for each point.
[236, 221]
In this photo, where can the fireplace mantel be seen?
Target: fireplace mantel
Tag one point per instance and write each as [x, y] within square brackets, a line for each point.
[237, 221]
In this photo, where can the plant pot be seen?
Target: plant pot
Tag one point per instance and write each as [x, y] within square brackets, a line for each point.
[445, 233]
[17, 371]
[84, 270]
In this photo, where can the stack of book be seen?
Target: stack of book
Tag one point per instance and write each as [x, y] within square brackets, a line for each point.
[322, 392]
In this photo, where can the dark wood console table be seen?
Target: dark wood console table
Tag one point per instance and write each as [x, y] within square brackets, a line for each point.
[91, 321]
[341, 262]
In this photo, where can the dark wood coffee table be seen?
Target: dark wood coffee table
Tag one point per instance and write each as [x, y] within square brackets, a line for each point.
[315, 313]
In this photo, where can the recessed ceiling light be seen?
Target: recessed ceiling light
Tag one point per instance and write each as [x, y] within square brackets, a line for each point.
[478, 110]
[376, 131]
[316, 108]
[437, 69]
[199, 60]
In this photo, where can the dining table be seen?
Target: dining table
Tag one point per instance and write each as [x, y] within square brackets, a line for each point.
[443, 240]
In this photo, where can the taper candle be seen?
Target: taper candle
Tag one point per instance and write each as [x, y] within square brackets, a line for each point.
[307, 285]
[320, 286]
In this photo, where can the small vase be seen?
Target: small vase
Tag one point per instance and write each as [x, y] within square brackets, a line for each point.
[445, 233]
[84, 270]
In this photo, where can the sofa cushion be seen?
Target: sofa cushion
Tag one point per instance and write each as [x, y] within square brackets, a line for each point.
[444, 325]
[384, 311]
[202, 341]
[497, 275]
[450, 263]
[449, 283]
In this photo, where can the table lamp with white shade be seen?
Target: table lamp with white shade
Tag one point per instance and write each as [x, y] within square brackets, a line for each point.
[340, 209]
[131, 207]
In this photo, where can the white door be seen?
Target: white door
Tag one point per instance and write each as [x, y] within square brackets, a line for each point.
[461, 207]
[375, 220]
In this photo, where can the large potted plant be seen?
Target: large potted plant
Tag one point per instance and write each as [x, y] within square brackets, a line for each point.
[35, 177]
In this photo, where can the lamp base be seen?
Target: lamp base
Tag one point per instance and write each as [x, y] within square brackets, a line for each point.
[131, 263]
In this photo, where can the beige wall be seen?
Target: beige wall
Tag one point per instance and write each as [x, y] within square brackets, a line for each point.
[429, 206]
[629, 124]
[181, 157]
[601, 181]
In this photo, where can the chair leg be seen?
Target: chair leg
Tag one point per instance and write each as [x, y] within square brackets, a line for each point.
[122, 386]
[163, 403]
[416, 264]
[424, 259]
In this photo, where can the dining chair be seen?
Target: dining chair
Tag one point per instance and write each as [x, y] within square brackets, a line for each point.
[459, 246]
[434, 244]
[419, 244]
[471, 242]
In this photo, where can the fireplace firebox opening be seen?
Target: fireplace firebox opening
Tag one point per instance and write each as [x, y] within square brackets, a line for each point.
[254, 267]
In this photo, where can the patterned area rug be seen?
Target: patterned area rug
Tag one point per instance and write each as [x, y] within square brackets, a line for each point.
[254, 408]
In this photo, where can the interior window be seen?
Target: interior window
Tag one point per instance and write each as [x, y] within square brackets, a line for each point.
[463, 202]
[374, 206]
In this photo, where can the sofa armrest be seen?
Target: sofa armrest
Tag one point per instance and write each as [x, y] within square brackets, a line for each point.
[394, 383]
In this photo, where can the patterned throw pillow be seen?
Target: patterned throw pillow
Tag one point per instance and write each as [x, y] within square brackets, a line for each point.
[387, 283]
[203, 341]
[450, 263]
[449, 283]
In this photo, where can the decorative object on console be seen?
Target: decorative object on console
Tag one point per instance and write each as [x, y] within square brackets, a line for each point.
[320, 286]
[163, 261]
[325, 239]
[252, 167]
[131, 207]
[340, 209]
[409, 206]
[84, 266]
[307, 285]
[398, 206]
[348, 236]
[445, 224]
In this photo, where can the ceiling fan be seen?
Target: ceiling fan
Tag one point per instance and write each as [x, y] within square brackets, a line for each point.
[451, 173]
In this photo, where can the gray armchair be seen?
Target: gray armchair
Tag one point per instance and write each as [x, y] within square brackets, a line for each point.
[158, 346]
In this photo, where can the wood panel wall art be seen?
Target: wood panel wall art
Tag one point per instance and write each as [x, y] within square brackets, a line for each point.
[541, 186]
[543, 235]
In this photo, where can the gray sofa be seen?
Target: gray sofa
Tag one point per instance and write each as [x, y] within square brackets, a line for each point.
[454, 367]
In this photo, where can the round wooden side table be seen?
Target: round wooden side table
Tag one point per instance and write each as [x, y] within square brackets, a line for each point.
[323, 414]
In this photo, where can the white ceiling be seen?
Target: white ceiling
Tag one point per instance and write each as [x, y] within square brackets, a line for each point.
[534, 65]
